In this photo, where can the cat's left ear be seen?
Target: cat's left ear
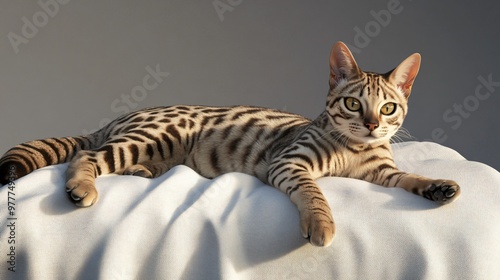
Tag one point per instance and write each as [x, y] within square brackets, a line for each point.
[404, 75]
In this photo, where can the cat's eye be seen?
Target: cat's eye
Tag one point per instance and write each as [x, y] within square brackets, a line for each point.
[352, 104]
[388, 108]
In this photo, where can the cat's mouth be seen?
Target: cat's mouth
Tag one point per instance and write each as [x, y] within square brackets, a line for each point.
[367, 138]
[371, 138]
[372, 135]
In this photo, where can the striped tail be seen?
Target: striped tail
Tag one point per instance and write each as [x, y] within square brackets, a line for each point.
[27, 157]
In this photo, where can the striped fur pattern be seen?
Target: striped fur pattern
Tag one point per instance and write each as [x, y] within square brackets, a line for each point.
[349, 139]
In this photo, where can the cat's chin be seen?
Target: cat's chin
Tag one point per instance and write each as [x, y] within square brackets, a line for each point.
[367, 139]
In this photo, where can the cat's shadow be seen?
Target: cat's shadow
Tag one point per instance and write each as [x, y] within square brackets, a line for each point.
[278, 235]
[57, 202]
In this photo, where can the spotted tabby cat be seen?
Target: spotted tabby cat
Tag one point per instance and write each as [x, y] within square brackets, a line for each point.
[349, 139]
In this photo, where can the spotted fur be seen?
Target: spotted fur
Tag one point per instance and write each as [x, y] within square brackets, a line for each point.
[349, 139]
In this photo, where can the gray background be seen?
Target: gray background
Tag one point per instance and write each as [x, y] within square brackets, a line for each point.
[71, 73]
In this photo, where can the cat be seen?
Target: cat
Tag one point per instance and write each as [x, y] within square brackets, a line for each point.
[350, 138]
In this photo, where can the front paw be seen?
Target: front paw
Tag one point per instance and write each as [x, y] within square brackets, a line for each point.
[442, 191]
[82, 193]
[138, 170]
[317, 226]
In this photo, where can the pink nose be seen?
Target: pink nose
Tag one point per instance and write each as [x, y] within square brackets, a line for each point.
[371, 126]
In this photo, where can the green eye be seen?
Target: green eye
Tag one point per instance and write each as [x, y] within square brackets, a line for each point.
[352, 104]
[388, 108]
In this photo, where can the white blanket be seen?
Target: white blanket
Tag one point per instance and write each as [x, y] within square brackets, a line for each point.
[183, 226]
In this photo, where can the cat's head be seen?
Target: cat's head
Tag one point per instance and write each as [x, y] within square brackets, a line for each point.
[368, 107]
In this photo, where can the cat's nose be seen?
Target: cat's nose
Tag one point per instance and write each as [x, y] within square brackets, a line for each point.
[371, 125]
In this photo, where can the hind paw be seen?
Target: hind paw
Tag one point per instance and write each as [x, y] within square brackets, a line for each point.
[82, 193]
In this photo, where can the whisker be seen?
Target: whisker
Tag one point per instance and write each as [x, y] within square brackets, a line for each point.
[338, 136]
[401, 135]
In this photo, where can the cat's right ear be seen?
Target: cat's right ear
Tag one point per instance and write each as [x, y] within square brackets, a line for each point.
[342, 64]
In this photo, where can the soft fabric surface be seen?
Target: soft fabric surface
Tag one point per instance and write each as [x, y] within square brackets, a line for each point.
[183, 226]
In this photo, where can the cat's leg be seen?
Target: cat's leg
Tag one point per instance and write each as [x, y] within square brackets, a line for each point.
[87, 165]
[316, 221]
[150, 169]
[116, 156]
[439, 190]
[81, 174]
